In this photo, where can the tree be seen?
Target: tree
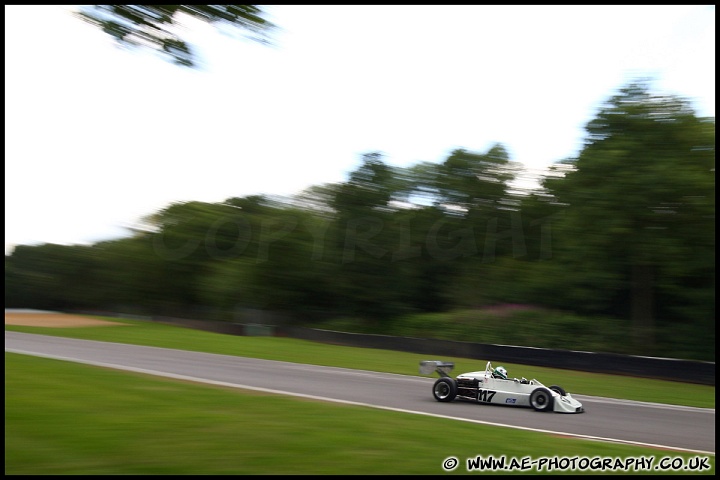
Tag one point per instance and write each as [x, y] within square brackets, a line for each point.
[639, 215]
[360, 236]
[473, 181]
[155, 26]
[50, 276]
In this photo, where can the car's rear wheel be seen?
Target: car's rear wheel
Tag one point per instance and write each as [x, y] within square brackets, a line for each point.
[445, 389]
[558, 389]
[541, 399]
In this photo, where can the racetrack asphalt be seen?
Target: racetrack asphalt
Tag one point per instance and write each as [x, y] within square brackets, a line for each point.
[647, 424]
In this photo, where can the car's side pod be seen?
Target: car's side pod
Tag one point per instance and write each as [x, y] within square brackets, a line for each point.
[443, 369]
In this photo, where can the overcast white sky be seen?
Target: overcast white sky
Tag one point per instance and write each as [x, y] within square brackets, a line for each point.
[97, 136]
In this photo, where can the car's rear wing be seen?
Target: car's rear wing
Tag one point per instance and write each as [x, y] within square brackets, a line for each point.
[443, 369]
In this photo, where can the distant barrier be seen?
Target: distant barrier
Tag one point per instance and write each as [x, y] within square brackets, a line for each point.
[647, 367]
[688, 371]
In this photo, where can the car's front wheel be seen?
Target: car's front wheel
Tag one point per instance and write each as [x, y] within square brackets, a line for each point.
[541, 399]
[558, 389]
[445, 389]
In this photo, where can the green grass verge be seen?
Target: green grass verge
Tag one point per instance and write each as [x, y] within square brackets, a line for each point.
[300, 351]
[65, 418]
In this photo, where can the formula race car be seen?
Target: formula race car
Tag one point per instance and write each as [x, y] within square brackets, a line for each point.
[494, 387]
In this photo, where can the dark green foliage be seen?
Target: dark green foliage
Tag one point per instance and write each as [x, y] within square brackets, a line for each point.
[154, 26]
[639, 211]
[616, 253]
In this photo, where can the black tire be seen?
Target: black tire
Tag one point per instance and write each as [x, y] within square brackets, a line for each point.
[541, 400]
[558, 389]
[445, 389]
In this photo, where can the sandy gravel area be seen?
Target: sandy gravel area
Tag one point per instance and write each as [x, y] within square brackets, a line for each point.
[32, 318]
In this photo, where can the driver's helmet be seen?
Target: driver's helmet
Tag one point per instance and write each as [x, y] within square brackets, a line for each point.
[500, 372]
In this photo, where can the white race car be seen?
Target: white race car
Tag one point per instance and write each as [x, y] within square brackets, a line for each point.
[489, 386]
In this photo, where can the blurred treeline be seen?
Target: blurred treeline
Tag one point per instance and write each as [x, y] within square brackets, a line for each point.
[615, 252]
